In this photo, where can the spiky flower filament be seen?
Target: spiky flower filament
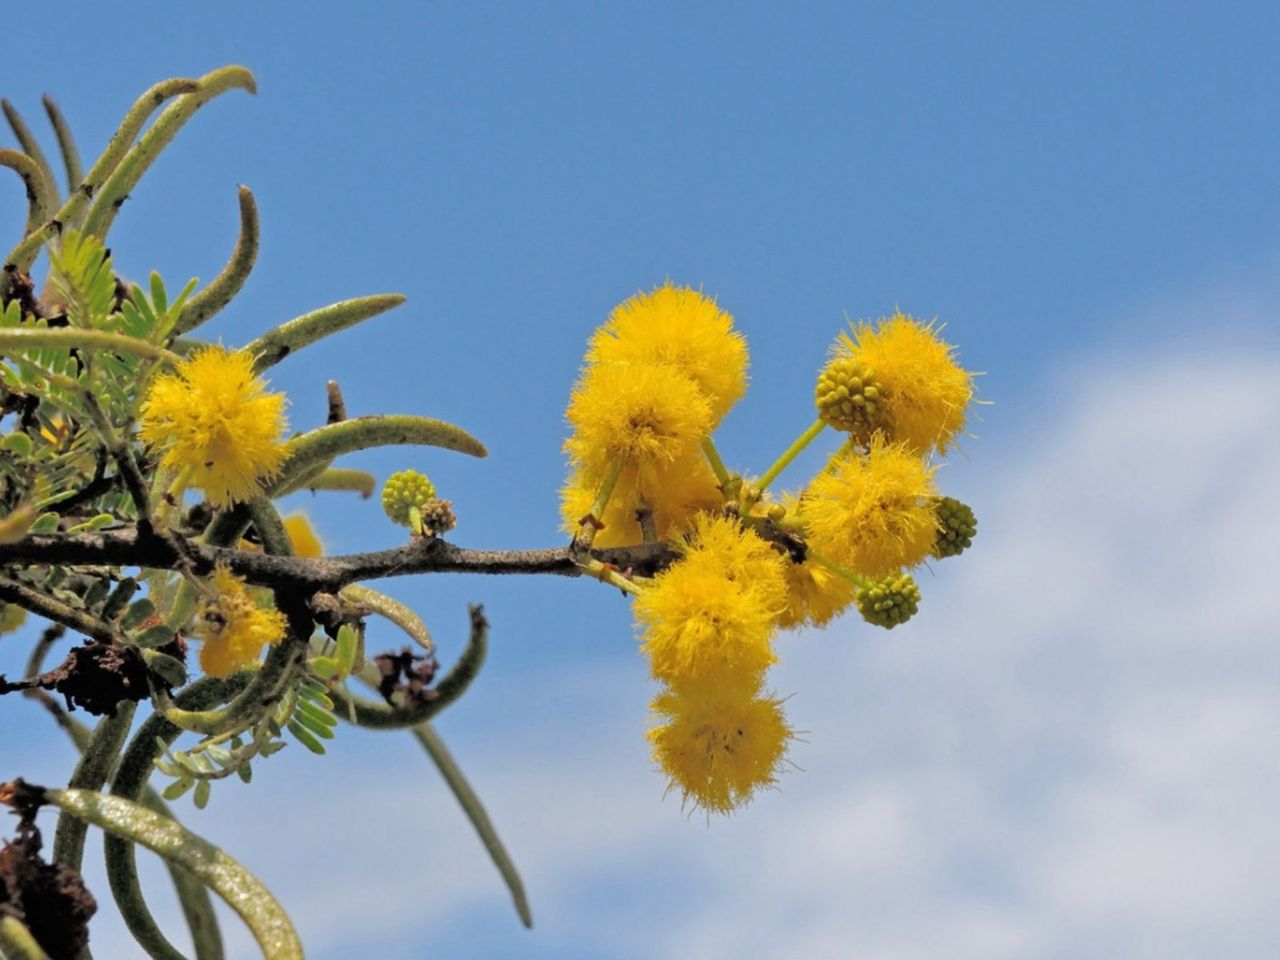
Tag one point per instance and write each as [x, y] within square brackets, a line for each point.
[233, 627]
[924, 392]
[644, 414]
[707, 621]
[215, 422]
[682, 328]
[719, 750]
[872, 513]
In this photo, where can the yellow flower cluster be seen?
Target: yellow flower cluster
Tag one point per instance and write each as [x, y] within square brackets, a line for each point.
[215, 421]
[660, 375]
[234, 628]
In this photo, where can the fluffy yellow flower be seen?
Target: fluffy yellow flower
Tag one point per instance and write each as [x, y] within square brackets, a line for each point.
[925, 390]
[681, 327]
[234, 628]
[707, 620]
[719, 751]
[647, 414]
[872, 513]
[214, 418]
[302, 536]
[674, 493]
[815, 595]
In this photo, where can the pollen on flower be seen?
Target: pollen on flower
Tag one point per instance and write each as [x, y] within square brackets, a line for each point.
[872, 513]
[213, 418]
[671, 494]
[234, 628]
[707, 620]
[681, 327]
[925, 392]
[719, 750]
[648, 414]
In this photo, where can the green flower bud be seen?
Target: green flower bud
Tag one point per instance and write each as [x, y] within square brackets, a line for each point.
[849, 397]
[959, 526]
[889, 601]
[404, 491]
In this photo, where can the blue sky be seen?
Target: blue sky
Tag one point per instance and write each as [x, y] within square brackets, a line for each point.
[1068, 754]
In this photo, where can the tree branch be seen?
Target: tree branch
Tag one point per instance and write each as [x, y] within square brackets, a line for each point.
[121, 548]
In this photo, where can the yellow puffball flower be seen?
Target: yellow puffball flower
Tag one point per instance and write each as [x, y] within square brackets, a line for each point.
[234, 629]
[815, 595]
[681, 327]
[648, 414]
[214, 418]
[874, 512]
[302, 536]
[701, 630]
[924, 391]
[674, 494]
[707, 620]
[719, 751]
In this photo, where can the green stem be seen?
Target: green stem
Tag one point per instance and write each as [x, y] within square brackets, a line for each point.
[66, 144]
[128, 822]
[717, 465]
[130, 781]
[610, 575]
[193, 896]
[41, 197]
[476, 813]
[325, 443]
[16, 941]
[274, 345]
[594, 520]
[858, 581]
[788, 455]
[91, 773]
[11, 591]
[259, 698]
[135, 163]
[220, 291]
[24, 338]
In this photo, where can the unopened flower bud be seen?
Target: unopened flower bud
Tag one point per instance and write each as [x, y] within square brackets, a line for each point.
[404, 491]
[959, 526]
[849, 397]
[889, 601]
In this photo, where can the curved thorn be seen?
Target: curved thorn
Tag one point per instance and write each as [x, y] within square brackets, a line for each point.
[41, 197]
[370, 713]
[242, 891]
[140, 157]
[474, 809]
[332, 440]
[71, 212]
[28, 142]
[274, 345]
[66, 144]
[219, 292]
[395, 611]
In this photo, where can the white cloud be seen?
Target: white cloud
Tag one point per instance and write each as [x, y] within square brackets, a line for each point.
[1070, 753]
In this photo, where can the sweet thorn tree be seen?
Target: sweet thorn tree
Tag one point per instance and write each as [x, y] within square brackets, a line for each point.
[139, 469]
